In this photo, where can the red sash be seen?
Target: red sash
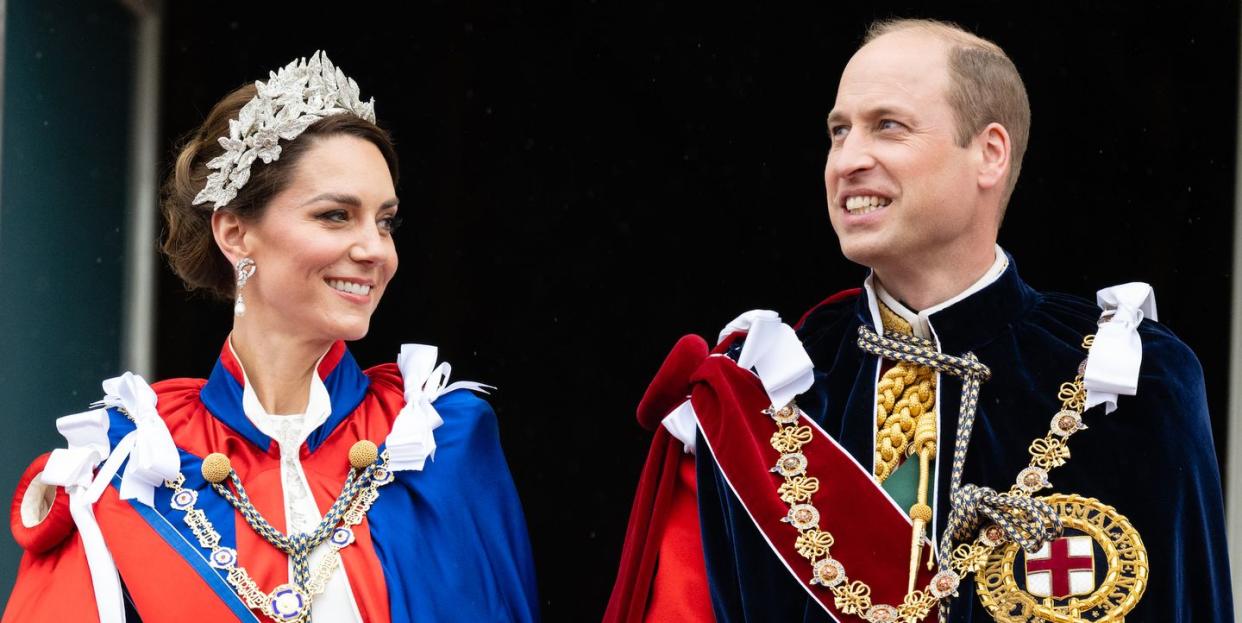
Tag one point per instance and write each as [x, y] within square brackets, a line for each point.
[872, 534]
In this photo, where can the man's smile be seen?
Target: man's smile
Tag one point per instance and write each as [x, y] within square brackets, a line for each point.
[863, 204]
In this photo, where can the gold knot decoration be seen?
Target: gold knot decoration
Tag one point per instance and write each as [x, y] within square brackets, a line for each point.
[798, 489]
[814, 543]
[791, 439]
[362, 454]
[216, 468]
[853, 598]
[915, 606]
[1049, 451]
[970, 557]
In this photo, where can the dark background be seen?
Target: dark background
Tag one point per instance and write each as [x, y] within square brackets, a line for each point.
[583, 184]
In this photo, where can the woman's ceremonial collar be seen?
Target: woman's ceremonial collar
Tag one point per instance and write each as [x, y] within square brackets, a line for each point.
[342, 378]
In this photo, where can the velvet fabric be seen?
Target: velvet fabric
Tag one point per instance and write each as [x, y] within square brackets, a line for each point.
[1152, 459]
[657, 515]
[447, 543]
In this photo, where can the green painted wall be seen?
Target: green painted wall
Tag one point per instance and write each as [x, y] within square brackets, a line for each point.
[63, 175]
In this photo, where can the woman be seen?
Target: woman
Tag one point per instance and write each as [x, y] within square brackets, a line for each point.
[290, 485]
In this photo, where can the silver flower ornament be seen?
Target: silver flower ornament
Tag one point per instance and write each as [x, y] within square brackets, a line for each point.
[289, 102]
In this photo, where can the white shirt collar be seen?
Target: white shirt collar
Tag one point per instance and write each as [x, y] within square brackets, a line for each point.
[318, 404]
[920, 322]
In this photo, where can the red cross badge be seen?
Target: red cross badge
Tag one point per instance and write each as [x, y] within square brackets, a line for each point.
[1062, 568]
[1061, 582]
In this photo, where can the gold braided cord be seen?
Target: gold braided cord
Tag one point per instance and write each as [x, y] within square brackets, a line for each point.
[896, 417]
[906, 426]
[924, 434]
[905, 404]
[893, 322]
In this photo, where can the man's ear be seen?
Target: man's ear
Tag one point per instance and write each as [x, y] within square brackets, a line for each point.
[229, 231]
[994, 151]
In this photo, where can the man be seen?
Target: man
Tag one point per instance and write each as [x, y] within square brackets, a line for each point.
[926, 466]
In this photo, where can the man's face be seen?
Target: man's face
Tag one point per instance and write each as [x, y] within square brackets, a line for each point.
[900, 190]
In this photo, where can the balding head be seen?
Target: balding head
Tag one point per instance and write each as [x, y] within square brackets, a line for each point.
[984, 85]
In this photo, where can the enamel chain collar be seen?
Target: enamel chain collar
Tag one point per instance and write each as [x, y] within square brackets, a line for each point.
[290, 602]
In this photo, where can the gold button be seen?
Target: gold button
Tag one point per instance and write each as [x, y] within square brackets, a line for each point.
[216, 467]
[362, 454]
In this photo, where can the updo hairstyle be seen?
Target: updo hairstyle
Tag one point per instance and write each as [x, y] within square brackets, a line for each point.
[189, 243]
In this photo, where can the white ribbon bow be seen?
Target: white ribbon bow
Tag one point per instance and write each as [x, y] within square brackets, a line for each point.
[1117, 353]
[73, 468]
[775, 354]
[153, 458]
[411, 441]
[773, 350]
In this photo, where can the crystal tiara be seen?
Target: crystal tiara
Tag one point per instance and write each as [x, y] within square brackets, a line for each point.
[293, 98]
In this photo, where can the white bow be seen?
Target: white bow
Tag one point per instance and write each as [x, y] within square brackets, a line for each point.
[773, 350]
[1117, 353]
[153, 457]
[411, 441]
[73, 468]
[775, 354]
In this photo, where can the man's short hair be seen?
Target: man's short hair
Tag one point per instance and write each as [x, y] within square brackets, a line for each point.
[984, 86]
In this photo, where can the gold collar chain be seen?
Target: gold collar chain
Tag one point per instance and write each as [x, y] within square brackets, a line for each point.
[814, 543]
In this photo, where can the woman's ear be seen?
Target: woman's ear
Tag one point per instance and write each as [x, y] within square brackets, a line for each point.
[229, 231]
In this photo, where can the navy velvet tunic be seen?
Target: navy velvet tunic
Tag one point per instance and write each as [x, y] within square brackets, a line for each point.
[1152, 459]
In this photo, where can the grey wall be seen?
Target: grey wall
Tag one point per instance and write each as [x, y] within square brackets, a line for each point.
[62, 204]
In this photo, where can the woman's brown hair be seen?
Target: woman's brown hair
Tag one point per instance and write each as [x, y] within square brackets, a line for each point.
[189, 243]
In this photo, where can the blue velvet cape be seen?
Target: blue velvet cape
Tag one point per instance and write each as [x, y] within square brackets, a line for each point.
[1152, 459]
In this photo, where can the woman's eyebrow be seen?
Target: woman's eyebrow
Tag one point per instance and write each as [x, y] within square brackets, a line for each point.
[335, 198]
[347, 199]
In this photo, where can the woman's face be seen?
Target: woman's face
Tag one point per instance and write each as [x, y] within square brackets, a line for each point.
[323, 249]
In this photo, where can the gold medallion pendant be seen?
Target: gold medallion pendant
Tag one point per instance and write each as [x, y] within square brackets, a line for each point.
[1097, 571]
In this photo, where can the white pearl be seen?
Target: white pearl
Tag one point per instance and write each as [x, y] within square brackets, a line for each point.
[239, 308]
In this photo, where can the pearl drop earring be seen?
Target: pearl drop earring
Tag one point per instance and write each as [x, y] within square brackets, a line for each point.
[245, 270]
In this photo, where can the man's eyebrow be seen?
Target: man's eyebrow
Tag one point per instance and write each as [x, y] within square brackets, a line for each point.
[346, 199]
[885, 110]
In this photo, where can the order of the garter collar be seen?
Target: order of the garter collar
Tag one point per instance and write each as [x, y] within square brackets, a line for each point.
[292, 99]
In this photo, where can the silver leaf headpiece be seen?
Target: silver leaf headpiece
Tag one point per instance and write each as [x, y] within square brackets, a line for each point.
[293, 98]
